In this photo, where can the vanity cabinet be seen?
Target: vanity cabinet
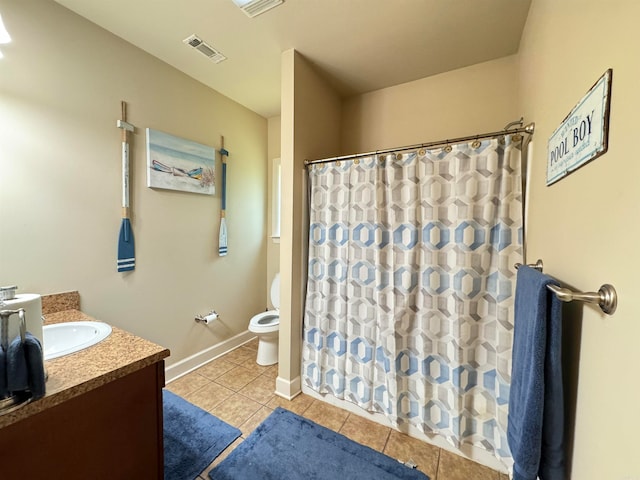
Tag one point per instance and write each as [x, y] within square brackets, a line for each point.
[113, 431]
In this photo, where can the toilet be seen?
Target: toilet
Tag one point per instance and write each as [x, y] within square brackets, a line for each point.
[266, 325]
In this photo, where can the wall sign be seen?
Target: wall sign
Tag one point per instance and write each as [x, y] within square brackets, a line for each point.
[584, 134]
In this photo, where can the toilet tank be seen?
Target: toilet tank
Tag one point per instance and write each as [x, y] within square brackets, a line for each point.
[275, 291]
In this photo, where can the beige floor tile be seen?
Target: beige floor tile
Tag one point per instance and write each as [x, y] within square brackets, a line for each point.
[236, 409]
[187, 384]
[236, 378]
[239, 355]
[221, 457]
[209, 396]
[403, 448]
[326, 415]
[365, 431]
[252, 422]
[253, 344]
[251, 364]
[266, 382]
[260, 390]
[271, 371]
[298, 405]
[454, 467]
[215, 368]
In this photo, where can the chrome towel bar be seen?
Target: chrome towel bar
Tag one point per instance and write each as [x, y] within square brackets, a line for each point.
[538, 265]
[606, 297]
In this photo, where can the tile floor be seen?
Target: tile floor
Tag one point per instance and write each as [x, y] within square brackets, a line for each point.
[237, 390]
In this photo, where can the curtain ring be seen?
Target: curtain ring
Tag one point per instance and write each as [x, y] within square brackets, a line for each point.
[476, 144]
[448, 148]
[422, 152]
[356, 161]
[516, 138]
[338, 163]
[398, 156]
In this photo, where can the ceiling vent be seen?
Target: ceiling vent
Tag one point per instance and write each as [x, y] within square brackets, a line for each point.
[253, 8]
[204, 48]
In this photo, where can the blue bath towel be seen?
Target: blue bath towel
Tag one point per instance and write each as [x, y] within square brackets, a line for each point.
[35, 366]
[536, 410]
[4, 391]
[25, 368]
[17, 373]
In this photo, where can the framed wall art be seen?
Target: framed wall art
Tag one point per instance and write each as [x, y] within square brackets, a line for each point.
[175, 163]
[583, 135]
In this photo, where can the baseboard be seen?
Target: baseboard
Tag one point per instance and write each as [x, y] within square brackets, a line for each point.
[288, 389]
[473, 453]
[196, 360]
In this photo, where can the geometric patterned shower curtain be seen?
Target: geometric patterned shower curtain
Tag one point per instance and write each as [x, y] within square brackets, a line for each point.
[409, 308]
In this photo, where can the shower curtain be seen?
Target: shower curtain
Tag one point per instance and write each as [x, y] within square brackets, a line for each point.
[411, 280]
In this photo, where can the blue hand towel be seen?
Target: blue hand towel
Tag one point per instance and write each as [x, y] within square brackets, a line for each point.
[536, 410]
[17, 374]
[35, 366]
[4, 391]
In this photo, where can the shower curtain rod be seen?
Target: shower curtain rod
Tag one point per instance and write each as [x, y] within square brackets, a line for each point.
[527, 129]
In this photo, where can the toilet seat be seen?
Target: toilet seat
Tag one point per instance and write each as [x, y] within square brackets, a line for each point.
[265, 326]
[265, 322]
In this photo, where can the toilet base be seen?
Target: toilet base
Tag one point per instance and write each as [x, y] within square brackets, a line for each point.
[267, 349]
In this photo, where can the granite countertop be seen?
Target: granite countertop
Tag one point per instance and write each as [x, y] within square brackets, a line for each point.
[120, 354]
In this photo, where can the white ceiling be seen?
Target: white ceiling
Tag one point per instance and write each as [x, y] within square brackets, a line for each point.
[358, 45]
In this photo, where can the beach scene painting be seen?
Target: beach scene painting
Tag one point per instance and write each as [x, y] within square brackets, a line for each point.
[174, 163]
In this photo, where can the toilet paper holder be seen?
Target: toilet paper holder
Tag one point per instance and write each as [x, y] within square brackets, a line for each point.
[208, 318]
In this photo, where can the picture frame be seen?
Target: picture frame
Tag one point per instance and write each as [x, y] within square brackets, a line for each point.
[175, 163]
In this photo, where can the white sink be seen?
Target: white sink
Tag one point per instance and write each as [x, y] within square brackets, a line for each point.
[64, 338]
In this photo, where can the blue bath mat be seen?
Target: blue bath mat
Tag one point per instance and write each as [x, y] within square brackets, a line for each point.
[193, 438]
[288, 447]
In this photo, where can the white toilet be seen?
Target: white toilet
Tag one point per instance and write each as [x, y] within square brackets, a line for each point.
[266, 325]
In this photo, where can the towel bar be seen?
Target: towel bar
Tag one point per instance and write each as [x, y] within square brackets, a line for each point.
[538, 265]
[4, 326]
[15, 400]
[606, 297]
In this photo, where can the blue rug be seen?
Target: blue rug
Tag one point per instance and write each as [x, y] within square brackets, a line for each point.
[288, 447]
[193, 438]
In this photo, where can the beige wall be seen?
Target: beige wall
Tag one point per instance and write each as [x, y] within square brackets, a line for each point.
[480, 98]
[61, 83]
[310, 129]
[273, 245]
[585, 227]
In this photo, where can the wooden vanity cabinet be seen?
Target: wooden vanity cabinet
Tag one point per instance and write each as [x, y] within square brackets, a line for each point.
[112, 432]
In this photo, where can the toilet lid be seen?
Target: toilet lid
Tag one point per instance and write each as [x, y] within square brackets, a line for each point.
[275, 291]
